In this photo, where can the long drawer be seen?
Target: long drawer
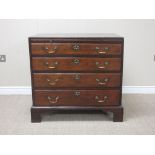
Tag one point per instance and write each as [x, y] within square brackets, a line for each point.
[76, 64]
[76, 97]
[75, 49]
[63, 80]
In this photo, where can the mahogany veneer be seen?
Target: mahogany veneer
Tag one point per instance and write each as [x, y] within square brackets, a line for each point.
[76, 72]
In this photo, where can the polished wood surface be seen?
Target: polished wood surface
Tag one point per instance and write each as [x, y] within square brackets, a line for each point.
[76, 72]
[77, 97]
[76, 64]
[60, 49]
[75, 80]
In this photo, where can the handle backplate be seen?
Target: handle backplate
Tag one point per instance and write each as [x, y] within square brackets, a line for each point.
[102, 51]
[53, 100]
[47, 50]
[102, 81]
[52, 82]
[102, 66]
[52, 66]
[105, 98]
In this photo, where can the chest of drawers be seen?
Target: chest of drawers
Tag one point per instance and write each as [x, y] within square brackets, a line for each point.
[76, 72]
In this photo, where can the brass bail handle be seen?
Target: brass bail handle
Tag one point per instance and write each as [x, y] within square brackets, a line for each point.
[99, 66]
[52, 82]
[47, 50]
[101, 101]
[53, 100]
[102, 51]
[51, 66]
[103, 81]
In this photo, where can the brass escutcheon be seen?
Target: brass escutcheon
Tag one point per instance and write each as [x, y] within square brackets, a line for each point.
[76, 47]
[76, 61]
[77, 77]
[77, 93]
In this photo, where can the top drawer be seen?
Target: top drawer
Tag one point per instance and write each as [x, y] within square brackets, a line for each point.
[75, 49]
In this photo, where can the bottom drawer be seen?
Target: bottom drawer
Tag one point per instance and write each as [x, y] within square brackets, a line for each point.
[76, 97]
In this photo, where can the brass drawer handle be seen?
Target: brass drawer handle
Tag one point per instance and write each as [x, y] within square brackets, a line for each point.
[101, 101]
[101, 67]
[103, 81]
[106, 63]
[104, 51]
[46, 49]
[52, 83]
[53, 100]
[51, 67]
[76, 47]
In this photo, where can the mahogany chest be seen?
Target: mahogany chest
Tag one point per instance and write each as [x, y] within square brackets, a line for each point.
[76, 72]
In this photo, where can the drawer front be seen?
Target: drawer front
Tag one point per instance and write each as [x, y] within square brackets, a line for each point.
[76, 64]
[76, 97]
[77, 80]
[75, 49]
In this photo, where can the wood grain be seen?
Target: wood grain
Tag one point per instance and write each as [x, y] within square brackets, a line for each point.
[67, 49]
[69, 97]
[69, 64]
[76, 80]
[71, 73]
